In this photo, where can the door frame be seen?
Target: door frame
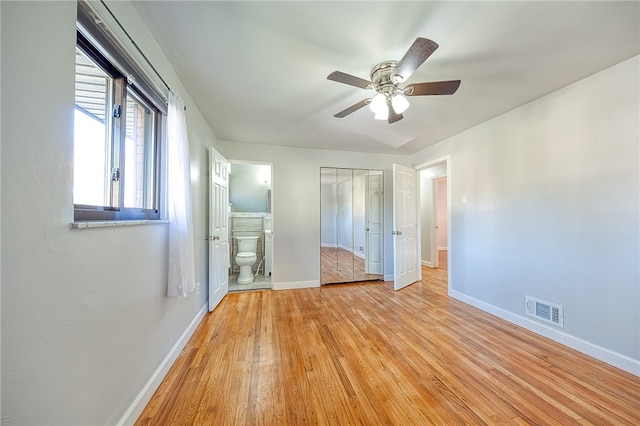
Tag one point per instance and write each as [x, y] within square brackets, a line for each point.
[271, 207]
[446, 159]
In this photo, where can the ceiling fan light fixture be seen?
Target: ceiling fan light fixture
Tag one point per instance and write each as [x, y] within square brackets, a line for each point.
[400, 103]
[378, 103]
[382, 113]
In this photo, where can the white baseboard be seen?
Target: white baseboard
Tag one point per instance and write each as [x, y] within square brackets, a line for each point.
[615, 359]
[388, 277]
[426, 263]
[296, 284]
[443, 248]
[349, 249]
[144, 396]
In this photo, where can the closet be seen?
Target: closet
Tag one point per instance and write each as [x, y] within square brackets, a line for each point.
[351, 227]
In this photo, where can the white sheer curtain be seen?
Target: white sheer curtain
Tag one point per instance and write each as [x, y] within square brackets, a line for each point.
[181, 242]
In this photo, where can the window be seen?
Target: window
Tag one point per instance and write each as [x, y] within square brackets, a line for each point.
[117, 132]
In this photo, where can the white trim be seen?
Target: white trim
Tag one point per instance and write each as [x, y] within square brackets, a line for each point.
[615, 359]
[296, 284]
[329, 245]
[388, 277]
[426, 263]
[144, 396]
[442, 248]
[115, 223]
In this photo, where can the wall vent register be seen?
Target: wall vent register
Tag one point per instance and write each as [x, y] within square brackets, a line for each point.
[544, 311]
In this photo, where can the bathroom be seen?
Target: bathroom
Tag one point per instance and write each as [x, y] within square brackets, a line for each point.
[250, 226]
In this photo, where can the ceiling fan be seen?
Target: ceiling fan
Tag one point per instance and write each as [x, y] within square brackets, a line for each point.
[390, 102]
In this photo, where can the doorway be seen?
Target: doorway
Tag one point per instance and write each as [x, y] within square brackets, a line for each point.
[435, 214]
[250, 226]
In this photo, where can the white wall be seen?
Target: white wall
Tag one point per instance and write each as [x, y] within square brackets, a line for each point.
[552, 206]
[85, 319]
[296, 204]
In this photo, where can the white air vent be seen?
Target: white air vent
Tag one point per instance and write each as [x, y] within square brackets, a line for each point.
[545, 311]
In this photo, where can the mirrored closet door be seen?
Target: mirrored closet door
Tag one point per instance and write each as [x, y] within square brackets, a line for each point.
[351, 227]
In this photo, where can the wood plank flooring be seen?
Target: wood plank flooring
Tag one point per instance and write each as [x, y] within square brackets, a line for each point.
[362, 354]
[338, 265]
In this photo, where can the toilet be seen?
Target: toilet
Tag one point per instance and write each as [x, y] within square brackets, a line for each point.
[246, 257]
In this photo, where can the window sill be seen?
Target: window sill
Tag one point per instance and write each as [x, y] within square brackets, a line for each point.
[114, 223]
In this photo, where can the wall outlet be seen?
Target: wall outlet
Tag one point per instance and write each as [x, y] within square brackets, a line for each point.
[198, 287]
[361, 248]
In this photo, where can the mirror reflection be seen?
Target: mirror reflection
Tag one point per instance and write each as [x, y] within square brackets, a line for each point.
[351, 212]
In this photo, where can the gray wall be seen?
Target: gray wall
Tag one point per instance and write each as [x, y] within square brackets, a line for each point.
[552, 206]
[85, 319]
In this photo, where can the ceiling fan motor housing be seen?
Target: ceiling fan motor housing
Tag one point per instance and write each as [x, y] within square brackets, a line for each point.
[382, 77]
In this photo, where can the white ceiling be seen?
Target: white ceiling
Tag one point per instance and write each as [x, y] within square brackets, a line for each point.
[257, 70]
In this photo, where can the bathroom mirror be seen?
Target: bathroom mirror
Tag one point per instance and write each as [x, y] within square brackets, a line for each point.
[351, 227]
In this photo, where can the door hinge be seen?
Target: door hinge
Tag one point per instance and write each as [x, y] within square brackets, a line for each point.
[115, 174]
[117, 111]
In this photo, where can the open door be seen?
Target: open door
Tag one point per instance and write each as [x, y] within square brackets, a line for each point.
[218, 229]
[405, 226]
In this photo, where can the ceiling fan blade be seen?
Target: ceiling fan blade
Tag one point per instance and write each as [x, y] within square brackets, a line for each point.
[432, 88]
[349, 79]
[352, 108]
[393, 115]
[419, 51]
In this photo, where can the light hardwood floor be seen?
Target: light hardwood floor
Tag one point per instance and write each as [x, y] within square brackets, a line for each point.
[338, 265]
[364, 354]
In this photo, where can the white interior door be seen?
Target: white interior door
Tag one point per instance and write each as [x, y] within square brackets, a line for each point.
[405, 226]
[374, 214]
[218, 229]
